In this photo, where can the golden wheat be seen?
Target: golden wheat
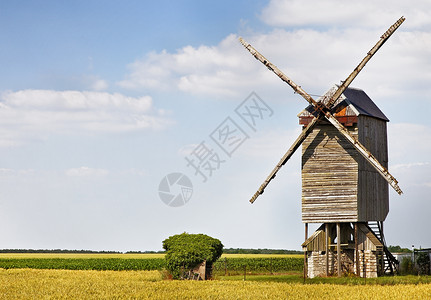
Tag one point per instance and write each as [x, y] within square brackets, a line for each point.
[67, 284]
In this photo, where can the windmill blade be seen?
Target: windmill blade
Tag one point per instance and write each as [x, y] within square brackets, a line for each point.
[361, 148]
[345, 83]
[324, 109]
[365, 153]
[362, 64]
[305, 132]
[278, 72]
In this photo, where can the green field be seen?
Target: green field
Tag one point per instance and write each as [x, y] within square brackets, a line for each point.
[227, 264]
[83, 255]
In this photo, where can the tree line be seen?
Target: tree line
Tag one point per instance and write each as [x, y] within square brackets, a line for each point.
[53, 251]
[227, 251]
[393, 249]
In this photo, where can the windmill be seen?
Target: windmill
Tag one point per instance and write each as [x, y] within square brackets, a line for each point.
[344, 176]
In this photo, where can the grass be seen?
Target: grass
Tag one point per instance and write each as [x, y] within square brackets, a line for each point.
[297, 277]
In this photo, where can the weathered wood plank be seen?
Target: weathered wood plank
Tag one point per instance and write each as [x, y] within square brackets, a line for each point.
[338, 184]
[329, 177]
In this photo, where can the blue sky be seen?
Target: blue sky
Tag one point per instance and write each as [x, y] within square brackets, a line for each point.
[99, 100]
[102, 36]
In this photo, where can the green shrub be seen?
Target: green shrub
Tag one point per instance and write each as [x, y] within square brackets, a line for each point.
[407, 267]
[423, 262]
[185, 251]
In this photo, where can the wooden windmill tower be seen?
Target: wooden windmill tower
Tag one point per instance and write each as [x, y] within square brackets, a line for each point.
[344, 176]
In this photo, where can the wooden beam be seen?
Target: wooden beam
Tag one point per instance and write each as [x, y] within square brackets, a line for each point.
[382, 237]
[364, 267]
[305, 252]
[341, 245]
[327, 247]
[358, 270]
[338, 250]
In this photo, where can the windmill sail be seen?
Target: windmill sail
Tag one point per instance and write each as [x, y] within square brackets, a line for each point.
[305, 132]
[370, 54]
[324, 111]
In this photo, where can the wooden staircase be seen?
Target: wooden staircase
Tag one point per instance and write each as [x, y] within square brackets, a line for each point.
[389, 263]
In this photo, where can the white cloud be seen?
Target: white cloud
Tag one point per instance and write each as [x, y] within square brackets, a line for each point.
[74, 101]
[8, 173]
[86, 172]
[34, 114]
[409, 143]
[409, 162]
[97, 84]
[314, 58]
[134, 172]
[186, 149]
[368, 13]
[409, 165]
[218, 70]
[269, 145]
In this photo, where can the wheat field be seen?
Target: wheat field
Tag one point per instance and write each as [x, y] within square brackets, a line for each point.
[67, 284]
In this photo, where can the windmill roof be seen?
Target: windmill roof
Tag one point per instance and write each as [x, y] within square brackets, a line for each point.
[353, 102]
[363, 104]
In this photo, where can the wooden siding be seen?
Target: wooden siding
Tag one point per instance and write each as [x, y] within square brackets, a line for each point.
[317, 263]
[368, 263]
[316, 242]
[373, 191]
[369, 249]
[338, 184]
[367, 239]
[329, 177]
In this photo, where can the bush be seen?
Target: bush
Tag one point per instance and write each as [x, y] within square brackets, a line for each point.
[407, 267]
[398, 249]
[423, 262]
[185, 251]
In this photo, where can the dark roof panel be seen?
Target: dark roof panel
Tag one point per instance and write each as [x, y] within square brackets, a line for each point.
[354, 103]
[363, 104]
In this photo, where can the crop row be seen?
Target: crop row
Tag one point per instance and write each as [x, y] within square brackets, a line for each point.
[115, 264]
[259, 264]
[119, 264]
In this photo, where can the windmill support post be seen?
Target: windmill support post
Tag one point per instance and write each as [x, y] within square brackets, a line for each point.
[338, 250]
[305, 252]
[364, 264]
[327, 248]
[382, 237]
[357, 251]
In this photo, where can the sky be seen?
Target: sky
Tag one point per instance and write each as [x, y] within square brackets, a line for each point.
[111, 109]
